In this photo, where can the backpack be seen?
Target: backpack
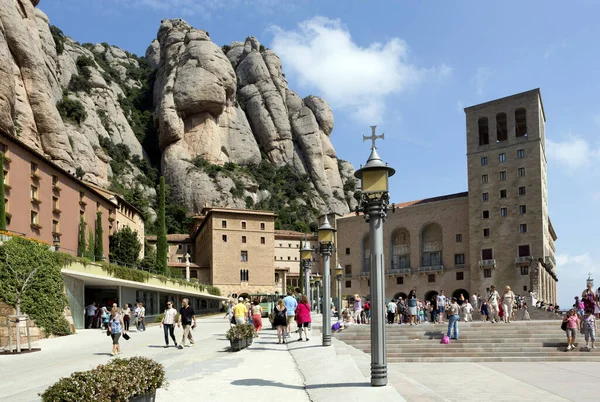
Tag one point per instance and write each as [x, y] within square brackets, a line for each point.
[367, 306]
[280, 313]
[445, 340]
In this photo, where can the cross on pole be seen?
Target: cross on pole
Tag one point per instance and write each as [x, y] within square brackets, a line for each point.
[373, 137]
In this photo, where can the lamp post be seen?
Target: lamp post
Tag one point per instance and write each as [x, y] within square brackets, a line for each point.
[374, 203]
[338, 275]
[317, 288]
[306, 256]
[312, 289]
[325, 235]
[187, 267]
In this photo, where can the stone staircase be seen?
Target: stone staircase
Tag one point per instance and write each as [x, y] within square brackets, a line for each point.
[519, 341]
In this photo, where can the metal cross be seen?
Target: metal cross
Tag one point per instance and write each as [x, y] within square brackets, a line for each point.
[373, 136]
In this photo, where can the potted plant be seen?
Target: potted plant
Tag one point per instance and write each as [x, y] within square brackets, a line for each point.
[236, 337]
[249, 333]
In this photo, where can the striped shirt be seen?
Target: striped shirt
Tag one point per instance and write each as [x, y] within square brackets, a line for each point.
[169, 316]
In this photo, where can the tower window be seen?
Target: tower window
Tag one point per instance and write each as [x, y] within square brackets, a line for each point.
[523, 228]
[459, 259]
[485, 214]
[484, 178]
[522, 191]
[522, 209]
[459, 238]
[348, 284]
[431, 278]
[503, 175]
[503, 212]
[502, 193]
[521, 122]
[399, 280]
[521, 172]
[243, 239]
[484, 134]
[502, 157]
[486, 232]
[501, 127]
[460, 276]
[484, 197]
[487, 273]
[524, 250]
[520, 154]
[487, 254]
[224, 224]
[243, 225]
[525, 270]
[347, 250]
[484, 161]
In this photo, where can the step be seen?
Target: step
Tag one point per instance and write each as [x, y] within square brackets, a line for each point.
[462, 335]
[567, 357]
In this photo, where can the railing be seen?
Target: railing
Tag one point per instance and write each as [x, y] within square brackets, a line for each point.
[527, 260]
[433, 268]
[398, 271]
[487, 263]
[550, 260]
[459, 266]
[396, 265]
[365, 274]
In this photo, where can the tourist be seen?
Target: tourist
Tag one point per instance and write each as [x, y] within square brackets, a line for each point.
[453, 318]
[126, 316]
[105, 315]
[484, 311]
[441, 303]
[579, 306]
[357, 309]
[186, 317]
[248, 310]
[229, 314]
[526, 316]
[280, 320]
[434, 310]
[475, 305]
[461, 299]
[533, 297]
[507, 303]
[136, 314]
[412, 307]
[467, 311]
[90, 314]
[368, 311]
[290, 308]
[588, 297]
[420, 312]
[240, 312]
[303, 318]
[572, 325]
[401, 311]
[141, 325]
[115, 328]
[589, 328]
[168, 323]
[256, 316]
[493, 300]
[391, 311]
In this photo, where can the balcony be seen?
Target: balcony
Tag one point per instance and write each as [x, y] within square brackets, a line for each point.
[487, 263]
[432, 268]
[550, 261]
[398, 271]
[365, 274]
[521, 261]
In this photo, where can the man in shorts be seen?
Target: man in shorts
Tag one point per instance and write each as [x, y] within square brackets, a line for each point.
[240, 311]
[441, 299]
[290, 305]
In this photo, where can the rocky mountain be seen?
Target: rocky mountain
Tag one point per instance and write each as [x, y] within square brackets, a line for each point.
[220, 123]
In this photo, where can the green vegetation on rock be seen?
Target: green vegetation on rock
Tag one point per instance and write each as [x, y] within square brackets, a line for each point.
[59, 38]
[162, 246]
[71, 110]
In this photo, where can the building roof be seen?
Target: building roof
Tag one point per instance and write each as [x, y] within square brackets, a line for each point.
[53, 164]
[531, 91]
[293, 234]
[117, 195]
[423, 201]
[177, 237]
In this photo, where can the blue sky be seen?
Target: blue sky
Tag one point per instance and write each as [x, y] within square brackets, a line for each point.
[410, 68]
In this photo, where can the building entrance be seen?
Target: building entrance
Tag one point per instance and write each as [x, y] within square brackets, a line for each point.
[103, 297]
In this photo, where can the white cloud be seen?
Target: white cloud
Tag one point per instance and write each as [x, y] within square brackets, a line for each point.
[554, 47]
[323, 56]
[573, 153]
[481, 77]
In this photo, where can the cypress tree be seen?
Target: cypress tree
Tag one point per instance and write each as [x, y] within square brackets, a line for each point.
[161, 238]
[81, 241]
[2, 204]
[99, 246]
[90, 249]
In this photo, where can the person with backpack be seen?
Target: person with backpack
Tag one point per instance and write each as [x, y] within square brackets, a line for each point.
[280, 321]
[401, 311]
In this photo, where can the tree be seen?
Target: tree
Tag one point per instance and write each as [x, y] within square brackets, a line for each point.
[2, 204]
[90, 246]
[99, 246]
[161, 238]
[81, 241]
[125, 247]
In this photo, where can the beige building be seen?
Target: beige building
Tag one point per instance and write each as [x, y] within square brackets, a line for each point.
[287, 255]
[498, 233]
[179, 246]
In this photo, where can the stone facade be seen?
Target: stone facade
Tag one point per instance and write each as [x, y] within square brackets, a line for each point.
[287, 254]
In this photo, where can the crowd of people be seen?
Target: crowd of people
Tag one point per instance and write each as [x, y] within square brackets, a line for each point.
[583, 317]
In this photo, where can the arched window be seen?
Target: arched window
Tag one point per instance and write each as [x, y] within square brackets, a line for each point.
[366, 253]
[521, 122]
[400, 248]
[484, 132]
[501, 127]
[431, 245]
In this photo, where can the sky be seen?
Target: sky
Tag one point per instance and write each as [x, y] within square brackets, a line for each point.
[410, 68]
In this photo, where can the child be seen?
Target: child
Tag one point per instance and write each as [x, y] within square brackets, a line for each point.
[572, 324]
[526, 313]
[589, 328]
[484, 310]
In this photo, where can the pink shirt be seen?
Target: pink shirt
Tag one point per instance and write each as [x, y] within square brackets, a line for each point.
[572, 321]
[303, 313]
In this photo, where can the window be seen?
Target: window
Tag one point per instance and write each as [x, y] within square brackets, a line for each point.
[524, 250]
[290, 245]
[399, 280]
[348, 270]
[486, 232]
[54, 180]
[243, 275]
[289, 258]
[189, 249]
[179, 259]
[55, 204]
[34, 168]
[34, 218]
[502, 193]
[503, 175]
[348, 284]
[459, 259]
[459, 238]
[5, 177]
[521, 172]
[485, 214]
[522, 191]
[487, 273]
[525, 270]
[263, 240]
[262, 226]
[460, 276]
[431, 278]
[523, 228]
[347, 250]
[33, 192]
[522, 209]
[431, 259]
[484, 197]
[503, 212]
[55, 228]
[524, 288]
[484, 135]
[521, 122]
[81, 195]
[243, 239]
[224, 224]
[368, 282]
[180, 247]
[243, 225]
[224, 237]
[520, 153]
[484, 161]
[484, 178]
[501, 127]
[244, 256]
[502, 158]
[487, 254]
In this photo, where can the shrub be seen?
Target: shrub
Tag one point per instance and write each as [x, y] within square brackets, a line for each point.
[59, 38]
[107, 383]
[71, 110]
[225, 48]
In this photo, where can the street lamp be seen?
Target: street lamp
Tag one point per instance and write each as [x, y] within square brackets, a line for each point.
[374, 203]
[306, 256]
[338, 275]
[317, 288]
[312, 288]
[325, 235]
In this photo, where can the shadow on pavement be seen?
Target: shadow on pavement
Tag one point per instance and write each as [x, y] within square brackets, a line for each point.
[102, 354]
[266, 383]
